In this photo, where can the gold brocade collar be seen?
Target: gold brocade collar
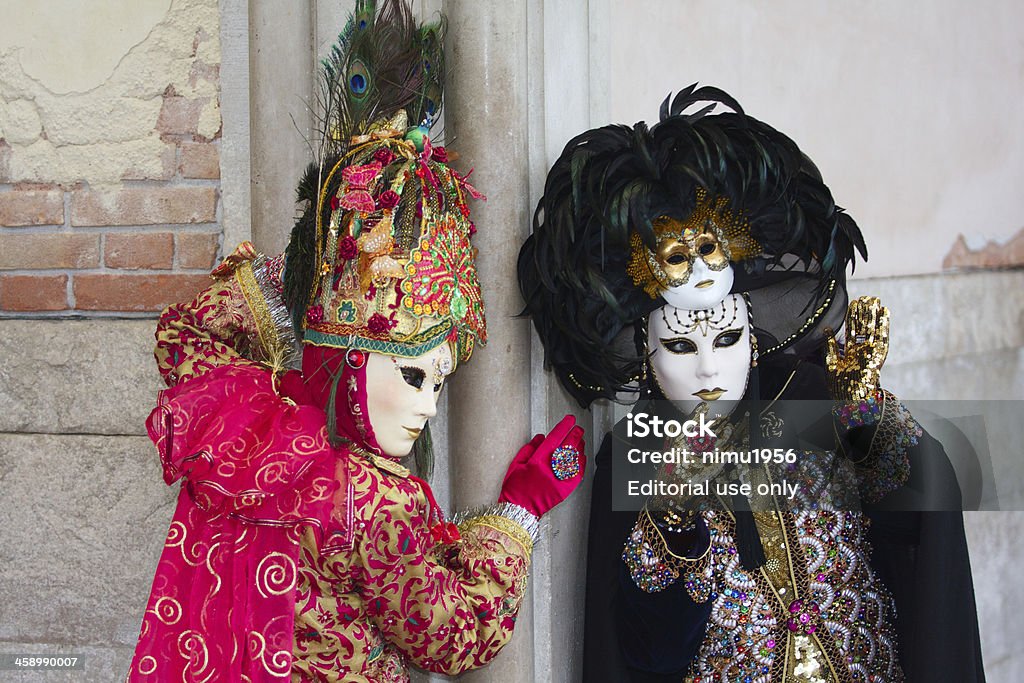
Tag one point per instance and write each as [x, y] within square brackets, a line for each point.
[378, 461]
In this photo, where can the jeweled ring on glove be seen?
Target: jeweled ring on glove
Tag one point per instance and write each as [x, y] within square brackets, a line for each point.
[565, 462]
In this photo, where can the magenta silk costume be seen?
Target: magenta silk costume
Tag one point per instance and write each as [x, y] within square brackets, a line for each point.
[289, 559]
[299, 549]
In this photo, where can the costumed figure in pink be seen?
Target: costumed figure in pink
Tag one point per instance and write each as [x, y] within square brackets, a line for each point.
[302, 547]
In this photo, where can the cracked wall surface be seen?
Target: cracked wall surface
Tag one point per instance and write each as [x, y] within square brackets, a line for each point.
[110, 129]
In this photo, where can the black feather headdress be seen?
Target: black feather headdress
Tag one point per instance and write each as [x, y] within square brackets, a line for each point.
[610, 183]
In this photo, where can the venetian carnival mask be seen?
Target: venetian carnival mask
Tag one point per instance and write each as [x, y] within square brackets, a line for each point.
[690, 266]
[401, 395]
[704, 287]
[702, 356]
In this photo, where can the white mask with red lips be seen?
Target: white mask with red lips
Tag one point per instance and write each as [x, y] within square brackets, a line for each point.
[702, 356]
[401, 395]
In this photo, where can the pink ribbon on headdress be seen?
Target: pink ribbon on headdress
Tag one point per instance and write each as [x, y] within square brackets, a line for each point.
[473, 192]
[357, 181]
[428, 150]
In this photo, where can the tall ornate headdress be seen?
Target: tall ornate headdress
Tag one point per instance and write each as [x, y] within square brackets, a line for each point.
[590, 271]
[381, 260]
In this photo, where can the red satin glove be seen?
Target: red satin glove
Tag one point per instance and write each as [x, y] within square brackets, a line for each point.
[546, 470]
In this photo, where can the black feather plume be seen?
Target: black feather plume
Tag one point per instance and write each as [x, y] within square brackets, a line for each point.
[609, 183]
[301, 261]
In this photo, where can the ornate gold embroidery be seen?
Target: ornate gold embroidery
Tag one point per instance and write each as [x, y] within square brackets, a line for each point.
[773, 540]
[381, 463]
[502, 525]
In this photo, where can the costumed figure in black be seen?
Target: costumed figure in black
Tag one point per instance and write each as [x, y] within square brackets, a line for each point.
[703, 261]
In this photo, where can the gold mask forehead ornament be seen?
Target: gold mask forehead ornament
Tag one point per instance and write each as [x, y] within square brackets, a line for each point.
[712, 233]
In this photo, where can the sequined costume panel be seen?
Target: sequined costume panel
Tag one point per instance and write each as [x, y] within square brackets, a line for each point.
[814, 612]
[400, 596]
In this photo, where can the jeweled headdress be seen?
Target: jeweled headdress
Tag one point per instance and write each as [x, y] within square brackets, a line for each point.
[381, 260]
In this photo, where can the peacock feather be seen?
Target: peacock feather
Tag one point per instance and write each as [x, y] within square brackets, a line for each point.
[382, 63]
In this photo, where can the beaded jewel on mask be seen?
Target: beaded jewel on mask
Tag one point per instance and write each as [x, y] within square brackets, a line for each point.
[720, 317]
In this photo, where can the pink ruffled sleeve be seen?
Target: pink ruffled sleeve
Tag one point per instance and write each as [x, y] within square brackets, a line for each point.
[256, 471]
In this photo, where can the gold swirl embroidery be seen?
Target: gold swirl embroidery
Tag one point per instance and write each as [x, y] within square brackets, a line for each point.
[209, 566]
[309, 444]
[241, 545]
[167, 610]
[275, 575]
[255, 647]
[189, 642]
[278, 663]
[176, 535]
[321, 488]
[147, 665]
[271, 473]
[194, 555]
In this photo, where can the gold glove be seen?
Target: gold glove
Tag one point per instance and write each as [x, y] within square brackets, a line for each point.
[854, 375]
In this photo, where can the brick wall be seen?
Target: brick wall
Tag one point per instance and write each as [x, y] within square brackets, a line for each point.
[109, 198]
[137, 247]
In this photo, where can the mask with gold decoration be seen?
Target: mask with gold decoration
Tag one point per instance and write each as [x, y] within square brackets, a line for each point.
[690, 265]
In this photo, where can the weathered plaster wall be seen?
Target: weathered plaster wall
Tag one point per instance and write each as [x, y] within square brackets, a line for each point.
[109, 153]
[910, 109]
[84, 87]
